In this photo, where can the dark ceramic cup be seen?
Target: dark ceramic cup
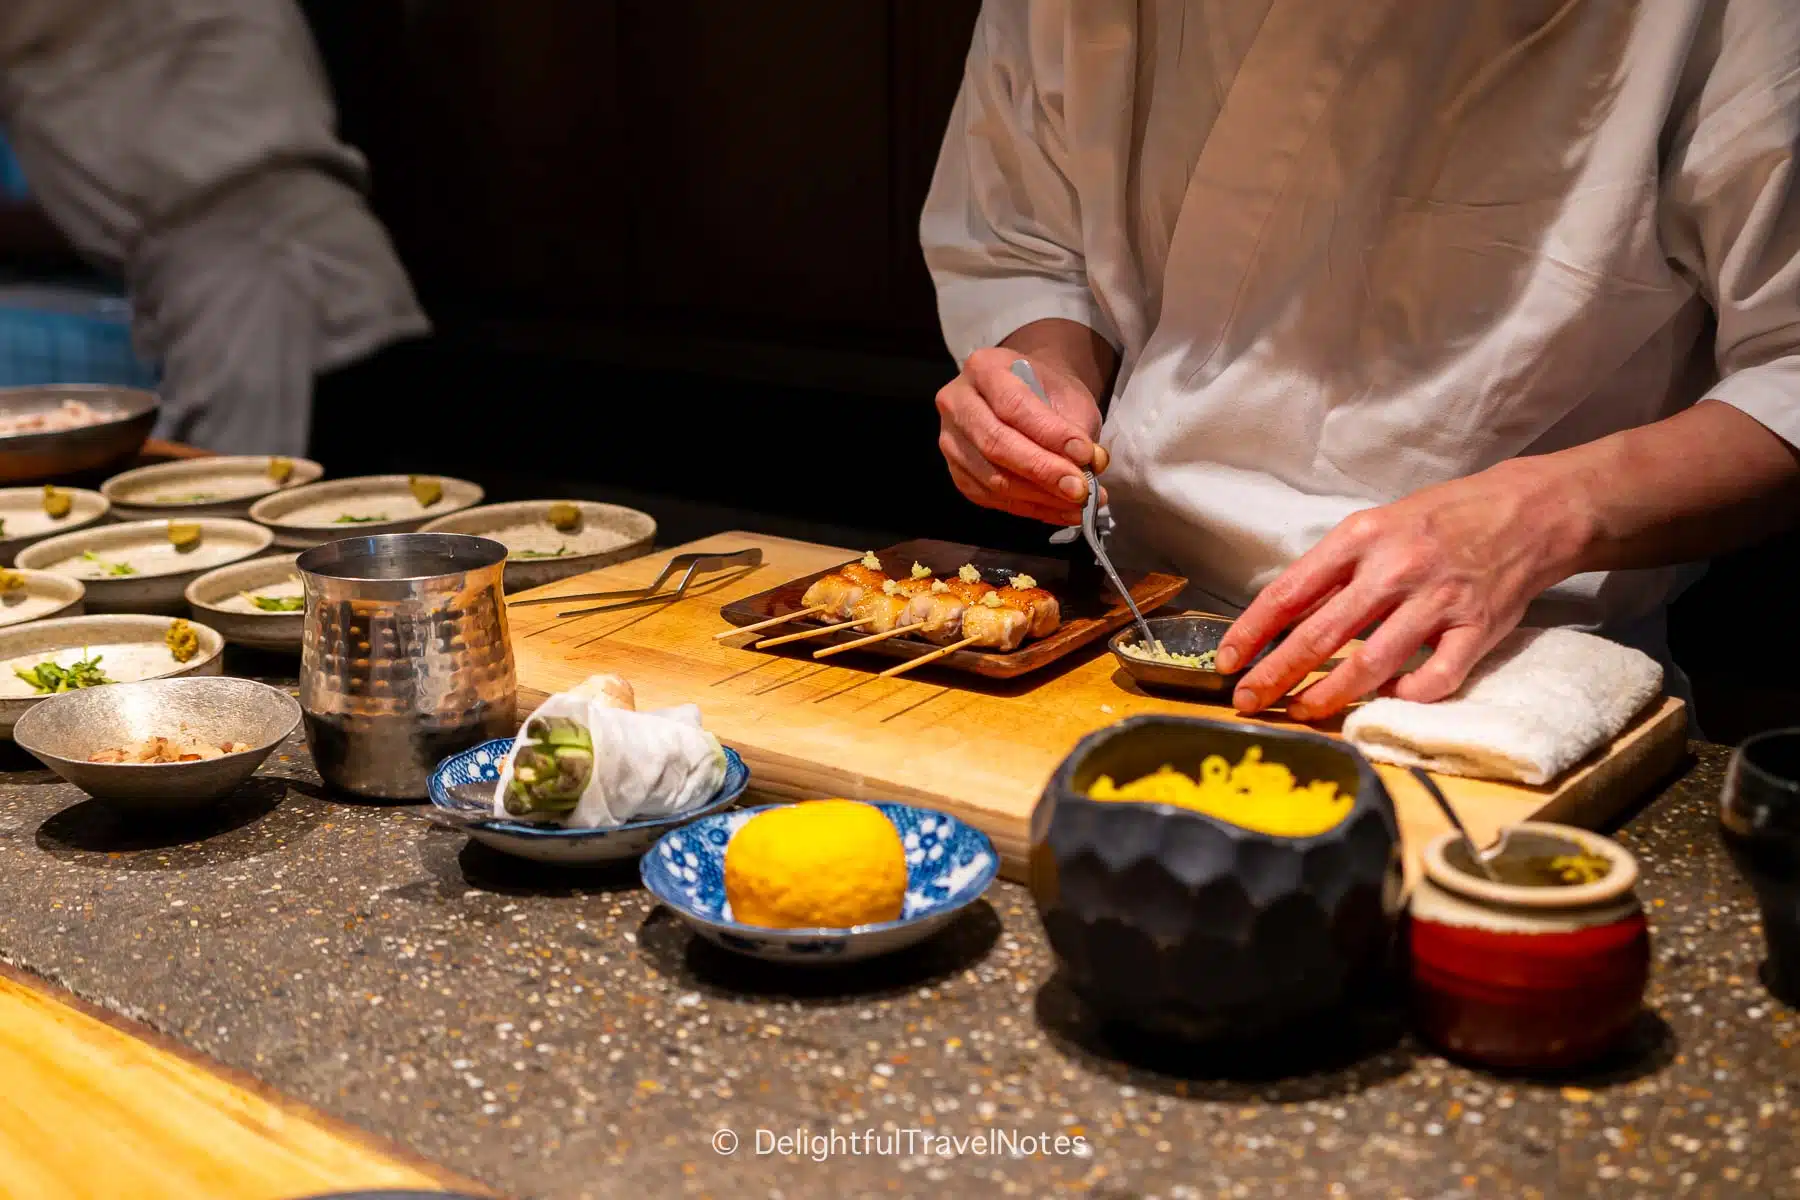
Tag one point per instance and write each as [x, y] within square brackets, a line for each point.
[1759, 812]
[1172, 921]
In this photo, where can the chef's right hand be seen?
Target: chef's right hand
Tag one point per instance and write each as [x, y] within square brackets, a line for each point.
[1009, 450]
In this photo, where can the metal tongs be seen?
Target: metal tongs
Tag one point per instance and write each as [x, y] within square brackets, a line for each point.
[694, 564]
[1094, 525]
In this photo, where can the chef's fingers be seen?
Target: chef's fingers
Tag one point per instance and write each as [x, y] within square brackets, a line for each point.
[1458, 650]
[1011, 501]
[999, 488]
[1314, 580]
[1312, 642]
[1369, 666]
[1014, 406]
[967, 413]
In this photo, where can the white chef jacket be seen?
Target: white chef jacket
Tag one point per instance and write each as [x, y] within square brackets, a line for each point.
[189, 144]
[1347, 249]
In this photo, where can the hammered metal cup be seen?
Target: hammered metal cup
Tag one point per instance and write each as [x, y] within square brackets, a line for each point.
[404, 659]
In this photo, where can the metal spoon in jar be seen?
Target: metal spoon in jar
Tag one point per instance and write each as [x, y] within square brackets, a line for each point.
[1090, 525]
[1483, 858]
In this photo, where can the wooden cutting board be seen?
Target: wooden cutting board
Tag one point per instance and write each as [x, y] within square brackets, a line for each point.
[979, 749]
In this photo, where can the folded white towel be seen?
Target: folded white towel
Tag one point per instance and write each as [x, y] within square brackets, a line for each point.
[1542, 701]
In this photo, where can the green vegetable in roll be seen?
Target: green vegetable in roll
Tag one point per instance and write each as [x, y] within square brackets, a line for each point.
[553, 764]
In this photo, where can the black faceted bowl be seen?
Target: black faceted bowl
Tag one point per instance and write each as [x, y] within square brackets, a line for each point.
[1170, 920]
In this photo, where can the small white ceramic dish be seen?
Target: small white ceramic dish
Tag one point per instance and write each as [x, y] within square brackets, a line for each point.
[23, 520]
[309, 516]
[227, 599]
[131, 648]
[222, 486]
[136, 568]
[45, 594]
[538, 553]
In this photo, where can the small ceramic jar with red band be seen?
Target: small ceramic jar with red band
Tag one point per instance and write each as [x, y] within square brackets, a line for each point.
[1532, 972]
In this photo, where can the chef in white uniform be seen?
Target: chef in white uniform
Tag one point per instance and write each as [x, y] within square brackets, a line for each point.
[1420, 319]
[189, 145]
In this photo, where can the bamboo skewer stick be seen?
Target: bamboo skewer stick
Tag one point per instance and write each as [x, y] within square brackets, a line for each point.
[770, 623]
[920, 661]
[810, 633]
[896, 631]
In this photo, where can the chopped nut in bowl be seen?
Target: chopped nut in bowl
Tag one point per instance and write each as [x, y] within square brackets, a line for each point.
[163, 745]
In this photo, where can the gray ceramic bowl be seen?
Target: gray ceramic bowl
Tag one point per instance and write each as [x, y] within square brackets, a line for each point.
[312, 515]
[45, 595]
[128, 646]
[218, 598]
[608, 533]
[1193, 633]
[161, 573]
[24, 522]
[64, 730]
[215, 486]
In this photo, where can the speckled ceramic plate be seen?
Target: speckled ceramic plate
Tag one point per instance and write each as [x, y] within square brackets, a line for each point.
[45, 594]
[23, 520]
[554, 844]
[130, 648]
[227, 599]
[948, 866]
[538, 553]
[309, 516]
[225, 486]
[135, 568]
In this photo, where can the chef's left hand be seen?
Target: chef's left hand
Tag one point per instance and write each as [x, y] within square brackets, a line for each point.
[1453, 567]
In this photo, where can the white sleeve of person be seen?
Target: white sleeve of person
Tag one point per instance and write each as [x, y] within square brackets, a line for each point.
[645, 764]
[1540, 703]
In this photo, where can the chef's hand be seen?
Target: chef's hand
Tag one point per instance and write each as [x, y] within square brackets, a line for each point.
[1009, 450]
[1452, 567]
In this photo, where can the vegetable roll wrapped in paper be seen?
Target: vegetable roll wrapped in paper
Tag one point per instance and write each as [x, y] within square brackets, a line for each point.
[585, 763]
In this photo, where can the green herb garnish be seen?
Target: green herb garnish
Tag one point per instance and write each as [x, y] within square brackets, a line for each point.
[47, 677]
[559, 552]
[347, 519]
[188, 498]
[111, 568]
[277, 604]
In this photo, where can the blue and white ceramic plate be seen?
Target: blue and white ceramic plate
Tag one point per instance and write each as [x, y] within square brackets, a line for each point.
[948, 866]
[548, 843]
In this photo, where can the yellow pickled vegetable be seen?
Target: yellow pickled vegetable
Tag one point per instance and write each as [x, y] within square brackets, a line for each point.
[281, 469]
[1259, 796]
[10, 581]
[820, 864]
[57, 503]
[184, 535]
[425, 490]
[182, 641]
[565, 517]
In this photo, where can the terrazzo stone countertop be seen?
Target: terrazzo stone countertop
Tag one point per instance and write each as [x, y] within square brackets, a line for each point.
[558, 1035]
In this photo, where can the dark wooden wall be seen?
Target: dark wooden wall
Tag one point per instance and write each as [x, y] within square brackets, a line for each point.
[684, 168]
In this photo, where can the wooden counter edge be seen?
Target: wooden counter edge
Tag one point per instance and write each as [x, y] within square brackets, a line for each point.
[162, 1043]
